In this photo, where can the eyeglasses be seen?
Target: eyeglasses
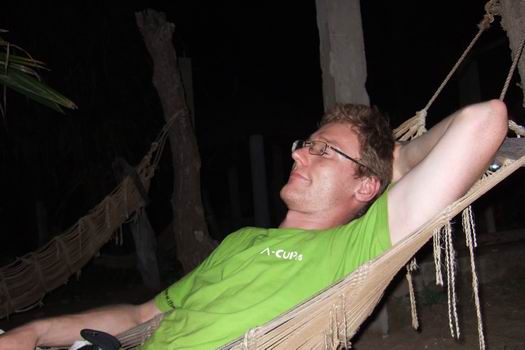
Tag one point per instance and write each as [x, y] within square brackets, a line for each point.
[318, 148]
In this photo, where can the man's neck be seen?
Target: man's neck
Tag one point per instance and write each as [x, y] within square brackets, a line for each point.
[309, 221]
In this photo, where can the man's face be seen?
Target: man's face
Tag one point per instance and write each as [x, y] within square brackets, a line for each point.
[320, 183]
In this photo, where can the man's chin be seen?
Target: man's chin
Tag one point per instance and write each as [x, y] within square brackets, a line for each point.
[285, 193]
[290, 195]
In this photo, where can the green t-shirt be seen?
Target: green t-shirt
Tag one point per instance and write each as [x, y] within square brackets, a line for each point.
[257, 274]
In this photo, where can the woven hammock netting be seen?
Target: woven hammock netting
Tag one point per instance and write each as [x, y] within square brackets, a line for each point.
[25, 281]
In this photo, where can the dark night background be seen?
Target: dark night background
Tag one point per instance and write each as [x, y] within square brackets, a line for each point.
[255, 69]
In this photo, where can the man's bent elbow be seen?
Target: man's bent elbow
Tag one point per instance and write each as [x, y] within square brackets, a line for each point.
[489, 120]
[500, 116]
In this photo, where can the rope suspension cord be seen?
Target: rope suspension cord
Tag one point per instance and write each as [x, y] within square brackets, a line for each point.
[488, 18]
[515, 61]
[415, 126]
[518, 129]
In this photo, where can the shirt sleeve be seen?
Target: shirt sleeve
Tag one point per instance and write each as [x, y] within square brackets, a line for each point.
[173, 296]
[362, 239]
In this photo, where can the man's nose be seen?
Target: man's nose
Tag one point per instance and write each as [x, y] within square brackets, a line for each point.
[301, 155]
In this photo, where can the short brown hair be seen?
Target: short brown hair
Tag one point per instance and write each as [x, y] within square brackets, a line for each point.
[374, 135]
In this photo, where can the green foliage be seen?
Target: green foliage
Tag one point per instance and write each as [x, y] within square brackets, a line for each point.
[18, 71]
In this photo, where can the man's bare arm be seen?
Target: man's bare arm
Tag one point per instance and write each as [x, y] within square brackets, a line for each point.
[439, 167]
[64, 330]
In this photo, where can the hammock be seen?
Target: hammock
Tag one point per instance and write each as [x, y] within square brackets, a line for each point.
[25, 281]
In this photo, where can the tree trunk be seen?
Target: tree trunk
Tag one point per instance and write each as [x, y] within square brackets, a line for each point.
[513, 21]
[189, 225]
[342, 52]
[343, 63]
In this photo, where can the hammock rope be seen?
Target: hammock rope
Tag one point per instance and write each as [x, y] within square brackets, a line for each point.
[470, 241]
[412, 266]
[436, 241]
[491, 9]
[450, 258]
[515, 61]
[415, 126]
[518, 129]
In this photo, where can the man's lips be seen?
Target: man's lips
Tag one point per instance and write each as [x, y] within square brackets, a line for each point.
[298, 175]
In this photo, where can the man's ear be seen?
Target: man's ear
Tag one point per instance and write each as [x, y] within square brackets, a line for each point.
[367, 189]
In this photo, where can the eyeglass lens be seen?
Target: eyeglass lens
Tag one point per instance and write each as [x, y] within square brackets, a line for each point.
[314, 147]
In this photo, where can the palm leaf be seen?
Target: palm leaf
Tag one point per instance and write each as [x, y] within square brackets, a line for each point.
[18, 71]
[21, 60]
[23, 69]
[35, 89]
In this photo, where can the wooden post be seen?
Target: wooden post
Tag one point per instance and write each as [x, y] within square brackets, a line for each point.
[146, 249]
[342, 52]
[141, 229]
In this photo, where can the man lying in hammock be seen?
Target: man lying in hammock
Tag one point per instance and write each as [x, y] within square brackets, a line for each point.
[257, 274]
